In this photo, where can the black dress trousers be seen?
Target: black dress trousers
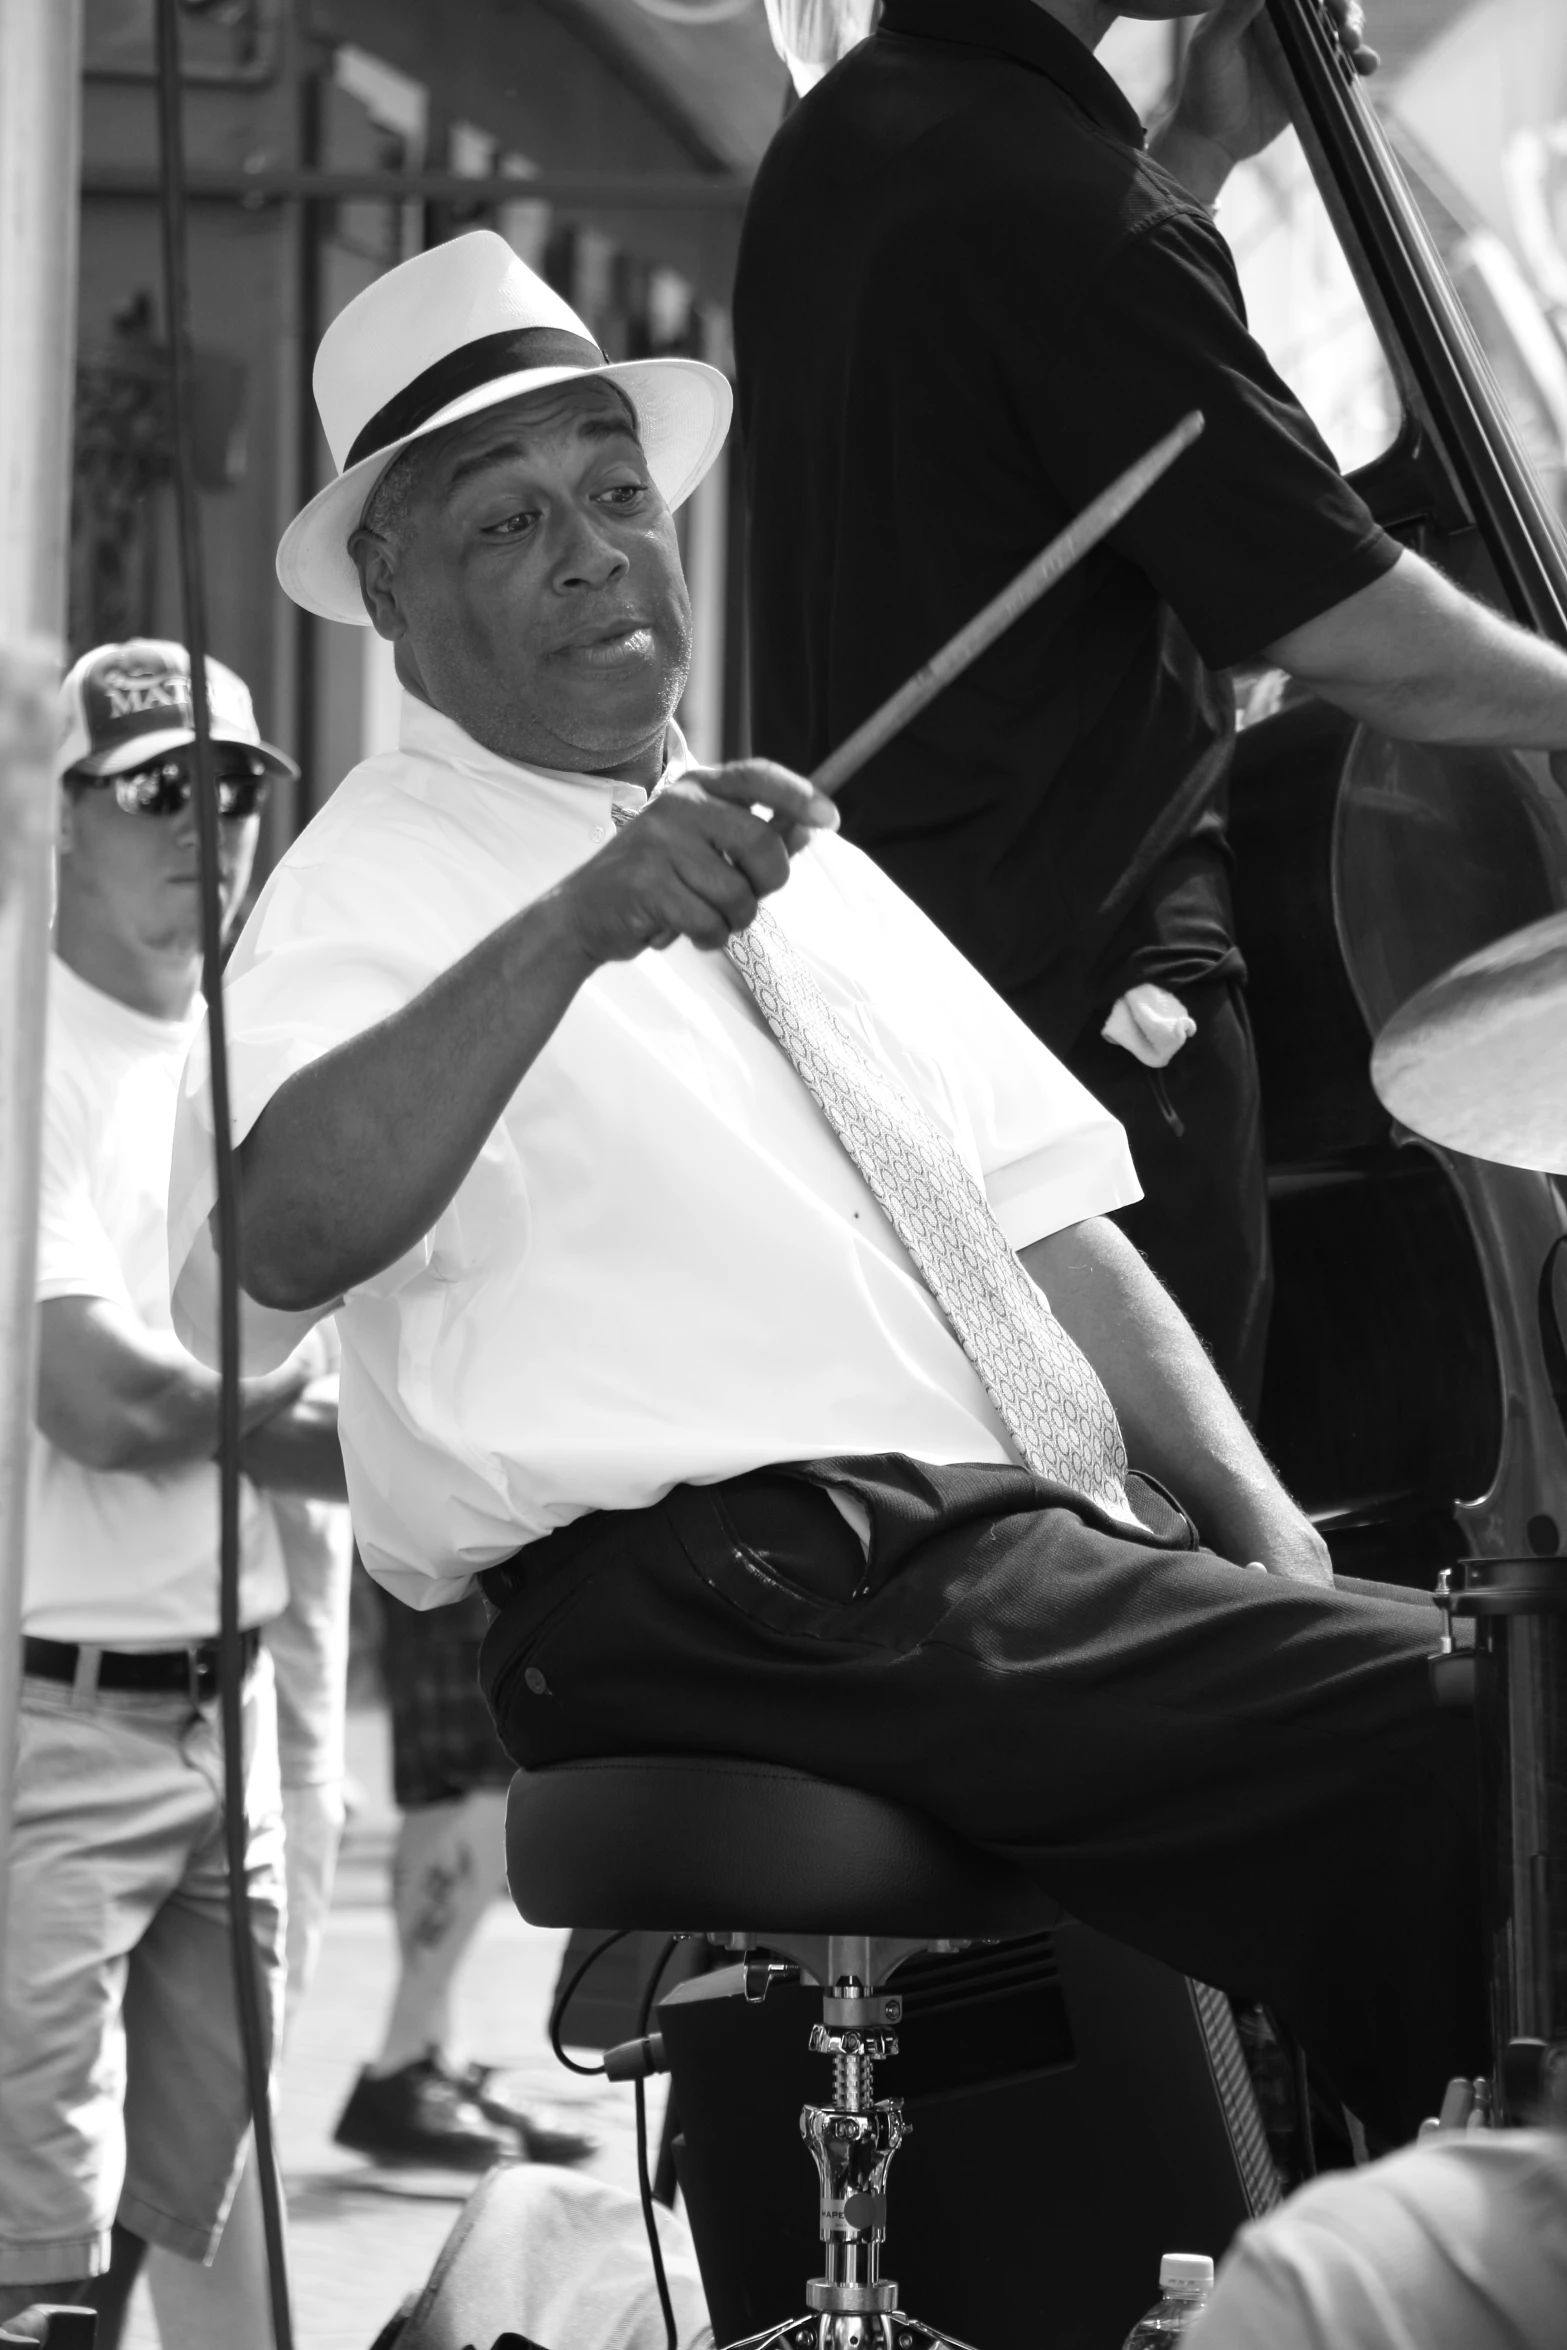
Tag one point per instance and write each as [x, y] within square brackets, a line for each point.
[1243, 1777]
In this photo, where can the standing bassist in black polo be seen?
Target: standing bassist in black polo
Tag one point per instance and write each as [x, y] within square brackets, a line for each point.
[968, 293]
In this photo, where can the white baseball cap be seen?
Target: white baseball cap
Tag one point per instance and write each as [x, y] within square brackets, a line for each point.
[123, 706]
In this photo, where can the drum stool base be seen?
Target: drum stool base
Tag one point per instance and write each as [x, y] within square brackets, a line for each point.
[842, 2330]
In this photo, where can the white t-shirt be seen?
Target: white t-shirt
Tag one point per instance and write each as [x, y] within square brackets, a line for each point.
[122, 1557]
[663, 1266]
[1459, 2243]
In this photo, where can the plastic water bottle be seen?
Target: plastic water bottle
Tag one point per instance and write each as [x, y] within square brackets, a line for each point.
[1185, 2282]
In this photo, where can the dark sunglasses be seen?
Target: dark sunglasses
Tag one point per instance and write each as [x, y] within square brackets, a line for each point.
[164, 787]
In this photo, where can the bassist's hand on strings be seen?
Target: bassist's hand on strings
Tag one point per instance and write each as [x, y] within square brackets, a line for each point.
[1229, 106]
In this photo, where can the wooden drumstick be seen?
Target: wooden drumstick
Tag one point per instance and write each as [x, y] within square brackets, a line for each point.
[1094, 523]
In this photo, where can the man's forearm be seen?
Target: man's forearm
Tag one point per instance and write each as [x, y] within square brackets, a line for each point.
[1416, 657]
[297, 1450]
[1180, 1422]
[114, 1394]
[1178, 1418]
[355, 1158]
[1201, 166]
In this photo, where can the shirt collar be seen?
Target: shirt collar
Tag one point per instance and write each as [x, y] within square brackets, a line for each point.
[1019, 29]
[429, 734]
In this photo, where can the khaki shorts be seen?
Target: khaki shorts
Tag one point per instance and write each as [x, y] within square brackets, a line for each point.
[122, 2086]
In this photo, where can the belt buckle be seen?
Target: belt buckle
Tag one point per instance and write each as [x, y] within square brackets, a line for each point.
[201, 1676]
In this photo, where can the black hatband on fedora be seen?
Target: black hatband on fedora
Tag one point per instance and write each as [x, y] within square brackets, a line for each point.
[511, 352]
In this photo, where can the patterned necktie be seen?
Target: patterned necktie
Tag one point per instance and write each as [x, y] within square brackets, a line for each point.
[1041, 1383]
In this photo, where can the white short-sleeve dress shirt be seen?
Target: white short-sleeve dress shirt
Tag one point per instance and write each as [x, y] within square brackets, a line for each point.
[662, 1267]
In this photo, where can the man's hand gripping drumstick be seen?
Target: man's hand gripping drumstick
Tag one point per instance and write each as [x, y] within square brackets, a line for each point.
[674, 856]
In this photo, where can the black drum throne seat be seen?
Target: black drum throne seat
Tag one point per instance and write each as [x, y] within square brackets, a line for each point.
[792, 1872]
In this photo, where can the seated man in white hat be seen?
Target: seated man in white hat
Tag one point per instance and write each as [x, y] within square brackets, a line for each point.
[728, 1285]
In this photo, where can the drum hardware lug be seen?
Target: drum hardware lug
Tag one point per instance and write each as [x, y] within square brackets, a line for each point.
[1453, 1671]
[880, 2298]
[832, 2040]
[855, 2010]
[761, 1972]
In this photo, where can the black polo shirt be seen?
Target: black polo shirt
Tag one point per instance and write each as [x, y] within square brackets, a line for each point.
[966, 300]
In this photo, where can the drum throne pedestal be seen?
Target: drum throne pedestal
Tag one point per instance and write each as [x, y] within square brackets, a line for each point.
[790, 1873]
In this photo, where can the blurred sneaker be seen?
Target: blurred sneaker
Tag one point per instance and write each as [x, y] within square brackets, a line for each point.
[540, 2143]
[421, 2113]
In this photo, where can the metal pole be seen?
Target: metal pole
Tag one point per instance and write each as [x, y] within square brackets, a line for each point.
[40, 115]
[249, 1994]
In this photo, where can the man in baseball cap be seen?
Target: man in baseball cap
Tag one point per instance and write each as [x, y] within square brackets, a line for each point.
[123, 2112]
[125, 707]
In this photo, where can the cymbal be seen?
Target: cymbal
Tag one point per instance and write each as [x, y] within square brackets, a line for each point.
[1477, 1060]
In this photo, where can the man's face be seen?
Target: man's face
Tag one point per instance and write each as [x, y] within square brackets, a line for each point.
[135, 878]
[534, 590]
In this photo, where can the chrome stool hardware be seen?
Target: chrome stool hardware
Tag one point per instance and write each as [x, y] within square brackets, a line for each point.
[853, 2141]
[762, 1971]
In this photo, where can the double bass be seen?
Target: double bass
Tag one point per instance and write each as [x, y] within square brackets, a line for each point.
[1415, 1394]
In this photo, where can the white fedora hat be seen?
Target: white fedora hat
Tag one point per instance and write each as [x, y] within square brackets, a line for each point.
[445, 335]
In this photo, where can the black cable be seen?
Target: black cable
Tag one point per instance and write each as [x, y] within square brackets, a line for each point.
[644, 2181]
[564, 1999]
[247, 1987]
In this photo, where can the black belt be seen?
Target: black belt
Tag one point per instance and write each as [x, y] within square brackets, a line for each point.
[181, 1672]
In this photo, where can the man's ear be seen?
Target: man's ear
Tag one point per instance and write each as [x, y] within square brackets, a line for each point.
[377, 568]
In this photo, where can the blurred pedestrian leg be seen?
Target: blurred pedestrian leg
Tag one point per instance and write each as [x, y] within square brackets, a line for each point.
[449, 1867]
[412, 2104]
[415, 2102]
[309, 1645]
